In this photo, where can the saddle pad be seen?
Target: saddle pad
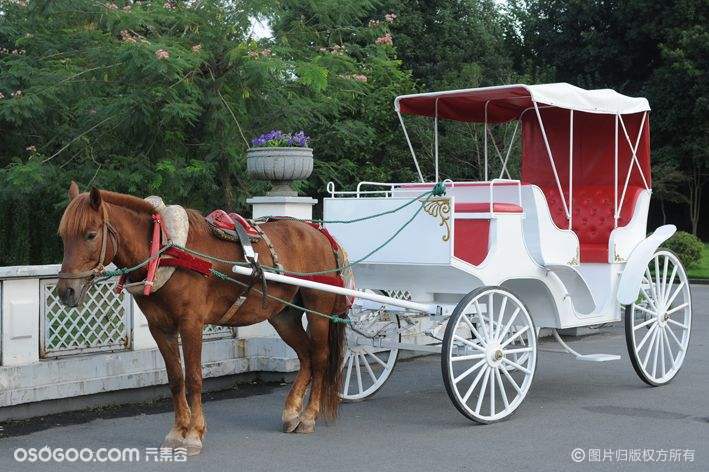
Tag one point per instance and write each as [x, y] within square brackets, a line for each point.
[228, 221]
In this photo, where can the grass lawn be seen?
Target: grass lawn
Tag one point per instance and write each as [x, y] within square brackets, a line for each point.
[701, 271]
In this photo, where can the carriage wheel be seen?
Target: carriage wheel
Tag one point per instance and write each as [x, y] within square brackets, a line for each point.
[658, 324]
[489, 354]
[371, 352]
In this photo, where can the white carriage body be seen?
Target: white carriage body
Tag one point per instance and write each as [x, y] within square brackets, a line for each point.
[505, 232]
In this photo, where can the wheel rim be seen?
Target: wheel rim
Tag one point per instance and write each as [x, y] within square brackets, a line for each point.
[370, 357]
[661, 319]
[491, 356]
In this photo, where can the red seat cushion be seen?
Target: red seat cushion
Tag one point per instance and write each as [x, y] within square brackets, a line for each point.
[593, 220]
[485, 208]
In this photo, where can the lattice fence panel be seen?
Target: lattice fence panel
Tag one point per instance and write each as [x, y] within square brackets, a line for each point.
[400, 294]
[101, 324]
[218, 332]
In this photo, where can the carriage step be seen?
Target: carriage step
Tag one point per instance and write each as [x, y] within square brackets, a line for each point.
[597, 357]
[584, 357]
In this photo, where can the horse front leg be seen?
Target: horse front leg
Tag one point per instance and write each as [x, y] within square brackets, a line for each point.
[169, 348]
[191, 334]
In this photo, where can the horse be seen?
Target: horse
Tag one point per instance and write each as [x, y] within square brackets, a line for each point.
[102, 227]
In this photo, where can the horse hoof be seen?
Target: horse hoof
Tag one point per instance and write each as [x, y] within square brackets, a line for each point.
[193, 446]
[290, 425]
[306, 427]
[173, 440]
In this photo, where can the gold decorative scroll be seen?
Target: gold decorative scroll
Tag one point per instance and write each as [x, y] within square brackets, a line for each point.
[440, 208]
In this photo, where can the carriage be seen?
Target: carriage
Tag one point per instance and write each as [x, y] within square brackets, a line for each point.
[476, 271]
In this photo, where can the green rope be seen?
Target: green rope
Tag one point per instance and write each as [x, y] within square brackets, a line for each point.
[107, 274]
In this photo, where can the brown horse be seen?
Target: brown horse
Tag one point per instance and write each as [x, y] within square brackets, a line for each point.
[116, 228]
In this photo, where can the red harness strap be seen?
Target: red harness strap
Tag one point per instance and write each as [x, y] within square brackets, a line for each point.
[172, 257]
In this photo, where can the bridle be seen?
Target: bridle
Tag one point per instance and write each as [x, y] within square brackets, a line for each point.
[107, 231]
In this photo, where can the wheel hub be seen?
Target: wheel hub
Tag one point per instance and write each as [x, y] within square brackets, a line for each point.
[494, 355]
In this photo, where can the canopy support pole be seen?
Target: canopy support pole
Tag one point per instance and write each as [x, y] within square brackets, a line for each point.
[485, 141]
[507, 154]
[411, 147]
[435, 138]
[633, 161]
[551, 161]
[571, 167]
[615, 174]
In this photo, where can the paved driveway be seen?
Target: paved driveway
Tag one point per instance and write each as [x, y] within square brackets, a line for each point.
[411, 425]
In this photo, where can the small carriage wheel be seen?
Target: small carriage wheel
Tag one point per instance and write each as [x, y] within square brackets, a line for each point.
[368, 362]
[489, 354]
[664, 310]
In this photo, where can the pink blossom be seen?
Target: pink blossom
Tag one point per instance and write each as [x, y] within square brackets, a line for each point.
[162, 54]
[196, 48]
[169, 5]
[128, 37]
[32, 149]
[17, 93]
[386, 39]
[390, 17]
[374, 23]
[360, 78]
[112, 6]
[127, 8]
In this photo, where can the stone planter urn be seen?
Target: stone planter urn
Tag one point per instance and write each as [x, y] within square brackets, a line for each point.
[280, 165]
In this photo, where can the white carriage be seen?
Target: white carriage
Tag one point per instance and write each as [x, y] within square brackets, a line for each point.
[485, 266]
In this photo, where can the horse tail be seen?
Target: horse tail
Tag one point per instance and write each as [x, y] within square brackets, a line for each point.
[333, 372]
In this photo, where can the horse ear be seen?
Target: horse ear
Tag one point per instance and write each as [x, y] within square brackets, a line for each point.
[95, 198]
[73, 190]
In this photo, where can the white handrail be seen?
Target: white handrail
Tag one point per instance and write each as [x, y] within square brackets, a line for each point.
[492, 187]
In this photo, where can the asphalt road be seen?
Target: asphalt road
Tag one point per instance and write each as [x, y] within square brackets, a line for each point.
[411, 425]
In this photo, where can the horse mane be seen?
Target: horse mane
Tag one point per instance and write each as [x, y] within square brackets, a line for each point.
[79, 213]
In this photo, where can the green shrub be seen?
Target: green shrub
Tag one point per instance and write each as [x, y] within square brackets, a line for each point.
[687, 246]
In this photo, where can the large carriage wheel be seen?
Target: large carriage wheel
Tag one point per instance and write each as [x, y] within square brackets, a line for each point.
[371, 352]
[658, 324]
[489, 354]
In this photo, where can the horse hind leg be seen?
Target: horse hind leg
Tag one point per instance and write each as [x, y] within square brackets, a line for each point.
[327, 341]
[289, 325]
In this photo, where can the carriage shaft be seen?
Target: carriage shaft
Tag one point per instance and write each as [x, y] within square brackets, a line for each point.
[285, 279]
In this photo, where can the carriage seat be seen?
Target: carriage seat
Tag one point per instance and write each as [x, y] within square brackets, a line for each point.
[228, 221]
[485, 208]
[593, 220]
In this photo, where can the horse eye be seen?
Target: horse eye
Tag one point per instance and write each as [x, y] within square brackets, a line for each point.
[90, 236]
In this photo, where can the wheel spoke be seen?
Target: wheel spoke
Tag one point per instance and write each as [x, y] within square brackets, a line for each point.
[512, 381]
[472, 329]
[664, 278]
[502, 388]
[468, 372]
[649, 349]
[502, 314]
[647, 335]
[478, 312]
[491, 313]
[648, 297]
[509, 324]
[662, 350]
[467, 357]
[674, 295]
[376, 358]
[359, 374]
[516, 351]
[468, 343]
[670, 320]
[474, 384]
[642, 308]
[658, 284]
[369, 369]
[483, 389]
[652, 285]
[644, 323]
[346, 388]
[677, 308]
[492, 391]
[670, 282]
[514, 336]
[674, 336]
[669, 348]
[516, 366]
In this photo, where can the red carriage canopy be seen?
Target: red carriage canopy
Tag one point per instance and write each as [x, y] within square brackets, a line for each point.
[588, 146]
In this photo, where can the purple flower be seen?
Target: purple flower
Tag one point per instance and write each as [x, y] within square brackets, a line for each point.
[277, 138]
